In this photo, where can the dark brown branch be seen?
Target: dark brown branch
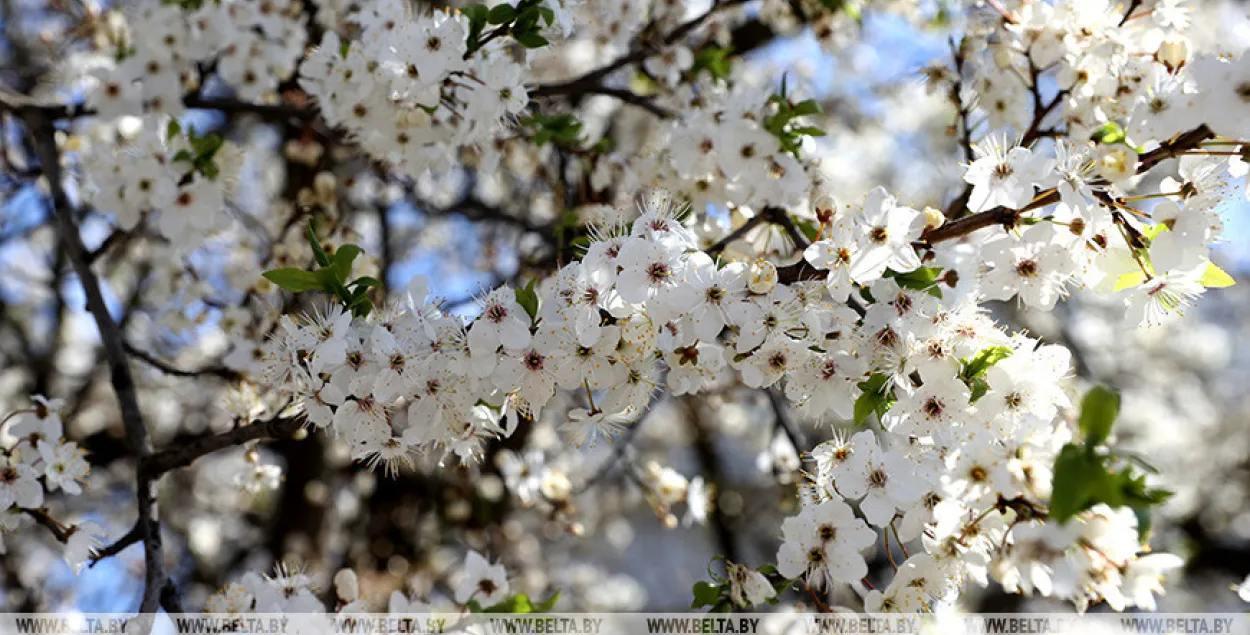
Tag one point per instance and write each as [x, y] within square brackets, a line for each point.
[635, 99]
[771, 214]
[130, 538]
[186, 453]
[214, 371]
[24, 106]
[44, 519]
[1007, 217]
[42, 133]
[116, 237]
[593, 80]
[1128, 13]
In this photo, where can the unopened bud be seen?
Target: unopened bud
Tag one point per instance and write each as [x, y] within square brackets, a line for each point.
[346, 586]
[763, 277]
[933, 218]
[556, 486]
[1118, 164]
[1173, 52]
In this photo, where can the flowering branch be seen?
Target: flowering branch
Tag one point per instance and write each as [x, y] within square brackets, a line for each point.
[42, 132]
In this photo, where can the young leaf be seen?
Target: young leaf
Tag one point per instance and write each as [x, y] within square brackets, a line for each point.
[500, 14]
[546, 605]
[530, 40]
[366, 282]
[1099, 409]
[875, 398]
[341, 263]
[318, 252]
[975, 366]
[1078, 479]
[528, 299]
[1215, 278]
[705, 594]
[294, 280]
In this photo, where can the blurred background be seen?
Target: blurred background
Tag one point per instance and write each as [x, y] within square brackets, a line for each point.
[1187, 407]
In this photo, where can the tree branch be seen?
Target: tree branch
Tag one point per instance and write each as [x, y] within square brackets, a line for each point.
[593, 80]
[42, 132]
[215, 371]
[186, 453]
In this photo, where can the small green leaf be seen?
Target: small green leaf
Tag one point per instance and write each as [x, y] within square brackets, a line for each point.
[548, 604]
[1215, 278]
[341, 262]
[318, 252]
[294, 280]
[1099, 409]
[500, 14]
[875, 398]
[1078, 477]
[1110, 132]
[528, 299]
[809, 107]
[920, 279]
[975, 366]
[365, 281]
[705, 594]
[530, 40]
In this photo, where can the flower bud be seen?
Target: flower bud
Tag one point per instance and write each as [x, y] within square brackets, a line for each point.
[933, 218]
[556, 486]
[1118, 164]
[346, 586]
[763, 277]
[1173, 52]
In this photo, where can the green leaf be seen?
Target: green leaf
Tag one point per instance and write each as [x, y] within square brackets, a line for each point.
[706, 594]
[920, 279]
[519, 603]
[1110, 132]
[294, 280]
[501, 14]
[530, 40]
[318, 252]
[979, 388]
[548, 604]
[809, 228]
[366, 282]
[172, 129]
[1099, 409]
[1215, 278]
[809, 107]
[975, 366]
[875, 398]
[713, 59]
[528, 299]
[1079, 479]
[341, 262]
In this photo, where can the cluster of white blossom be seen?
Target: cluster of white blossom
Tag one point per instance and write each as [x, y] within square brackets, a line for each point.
[410, 92]
[291, 591]
[153, 167]
[884, 307]
[721, 153]
[40, 461]
[255, 44]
